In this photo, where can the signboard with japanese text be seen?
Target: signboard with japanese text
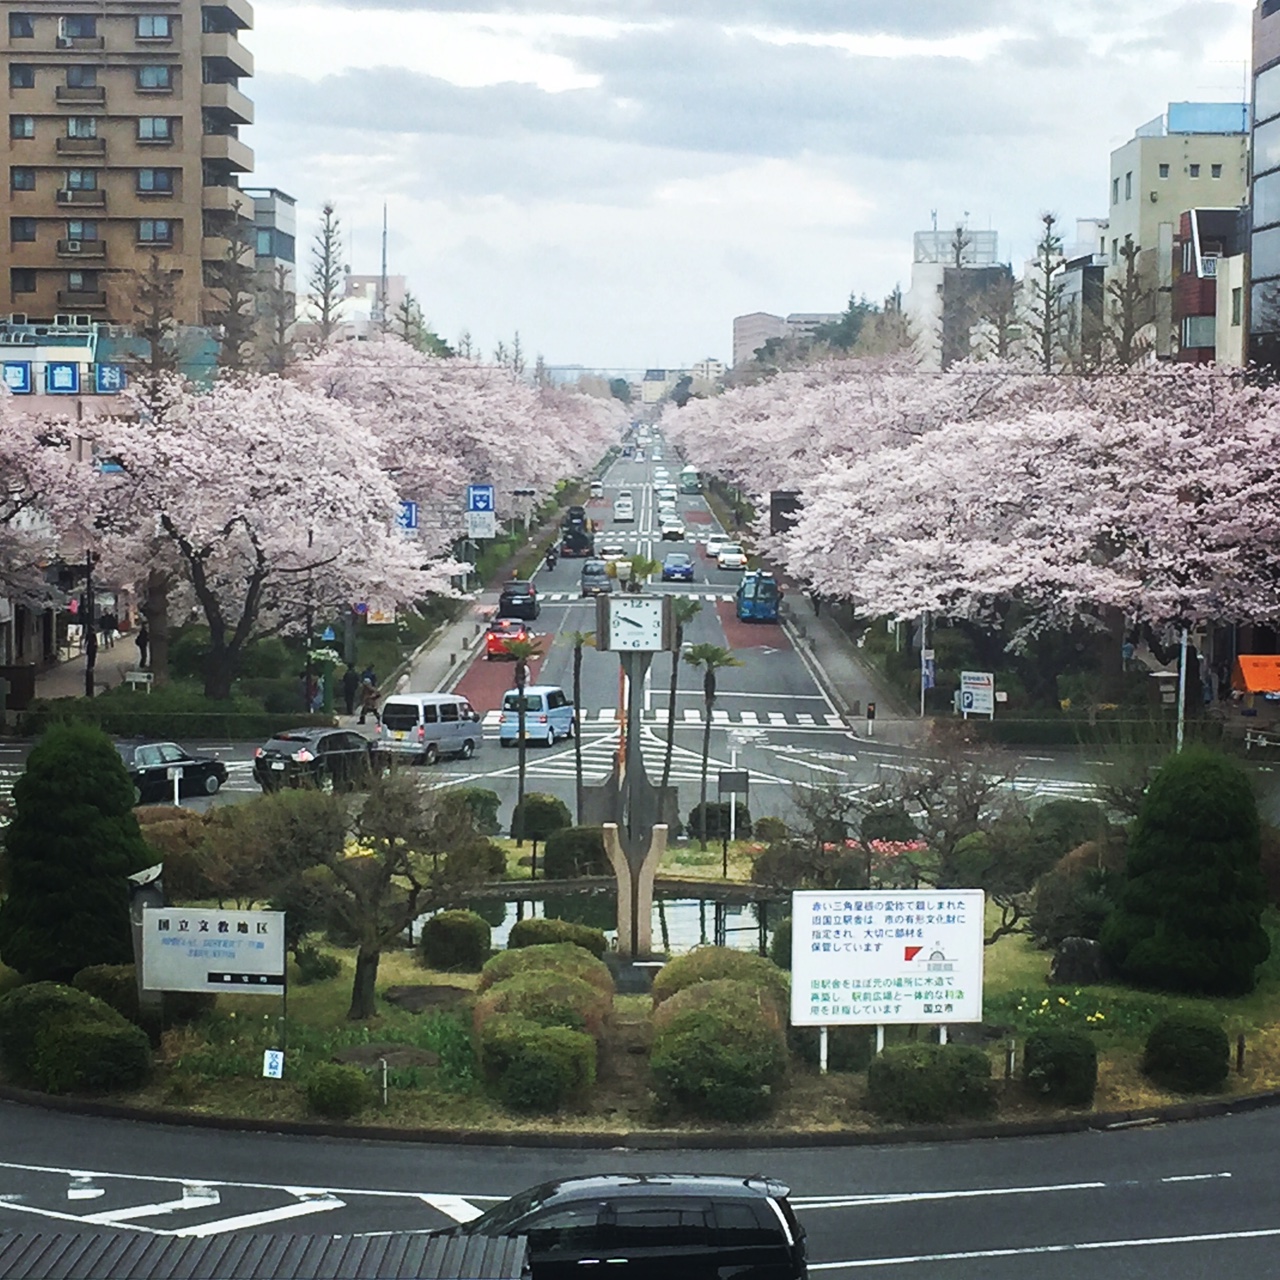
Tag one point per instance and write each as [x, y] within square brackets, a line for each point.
[199, 949]
[109, 379]
[62, 378]
[977, 694]
[910, 956]
[482, 524]
[480, 497]
[17, 377]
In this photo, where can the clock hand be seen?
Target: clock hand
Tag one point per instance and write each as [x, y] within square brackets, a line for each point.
[632, 621]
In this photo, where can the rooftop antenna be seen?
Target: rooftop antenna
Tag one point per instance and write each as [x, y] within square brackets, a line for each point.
[933, 213]
[380, 311]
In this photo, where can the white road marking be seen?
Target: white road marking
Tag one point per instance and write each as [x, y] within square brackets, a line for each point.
[81, 1188]
[748, 717]
[194, 1196]
[776, 717]
[459, 1208]
[321, 1202]
[692, 715]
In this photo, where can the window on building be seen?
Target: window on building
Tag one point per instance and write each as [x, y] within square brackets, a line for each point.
[82, 179]
[1198, 331]
[82, 77]
[21, 26]
[22, 126]
[22, 280]
[82, 282]
[155, 180]
[155, 129]
[22, 179]
[155, 26]
[1215, 171]
[82, 127]
[1237, 307]
[78, 26]
[1115, 190]
[22, 230]
[1266, 95]
[1128, 186]
[1164, 170]
[155, 75]
[155, 231]
[1193, 170]
[1115, 252]
[82, 229]
[21, 76]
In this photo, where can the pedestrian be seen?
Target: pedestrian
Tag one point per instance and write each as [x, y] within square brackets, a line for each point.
[350, 683]
[143, 641]
[312, 691]
[106, 626]
[367, 676]
[369, 697]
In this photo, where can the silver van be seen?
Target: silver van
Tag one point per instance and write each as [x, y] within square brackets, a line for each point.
[595, 578]
[426, 726]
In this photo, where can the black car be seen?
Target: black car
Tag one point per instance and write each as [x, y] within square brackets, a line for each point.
[149, 765]
[327, 759]
[519, 600]
[676, 1226]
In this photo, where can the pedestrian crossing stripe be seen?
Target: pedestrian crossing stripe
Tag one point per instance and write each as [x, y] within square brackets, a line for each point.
[693, 715]
[573, 597]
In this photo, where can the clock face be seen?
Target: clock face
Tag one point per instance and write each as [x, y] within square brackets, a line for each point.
[635, 624]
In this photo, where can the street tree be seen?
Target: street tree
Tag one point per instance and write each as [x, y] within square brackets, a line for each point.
[708, 658]
[326, 281]
[1129, 308]
[539, 816]
[683, 612]
[279, 308]
[1047, 322]
[524, 652]
[996, 308]
[579, 640]
[234, 288]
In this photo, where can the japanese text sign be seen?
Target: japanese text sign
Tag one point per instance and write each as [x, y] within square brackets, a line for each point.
[194, 949]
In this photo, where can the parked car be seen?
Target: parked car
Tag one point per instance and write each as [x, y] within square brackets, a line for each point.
[519, 599]
[731, 556]
[426, 726]
[677, 567]
[499, 632]
[677, 1226]
[595, 578]
[548, 715]
[149, 763]
[672, 531]
[328, 759]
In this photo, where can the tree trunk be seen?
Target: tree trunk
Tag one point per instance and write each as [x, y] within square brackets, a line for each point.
[155, 609]
[706, 757]
[219, 672]
[579, 796]
[363, 995]
[522, 679]
[671, 708]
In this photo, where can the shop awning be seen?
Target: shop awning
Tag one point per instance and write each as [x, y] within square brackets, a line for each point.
[1257, 673]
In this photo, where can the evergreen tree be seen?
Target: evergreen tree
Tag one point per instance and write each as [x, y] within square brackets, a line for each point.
[72, 843]
[1189, 916]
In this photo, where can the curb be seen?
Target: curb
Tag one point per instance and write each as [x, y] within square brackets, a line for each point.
[658, 1139]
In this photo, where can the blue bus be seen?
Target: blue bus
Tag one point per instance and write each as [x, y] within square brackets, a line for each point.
[758, 598]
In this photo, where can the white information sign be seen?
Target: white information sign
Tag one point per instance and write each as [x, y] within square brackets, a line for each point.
[977, 693]
[893, 956]
[482, 524]
[273, 1064]
[195, 949]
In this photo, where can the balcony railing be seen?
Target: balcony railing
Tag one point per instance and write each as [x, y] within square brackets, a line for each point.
[82, 249]
[94, 198]
[82, 146]
[78, 301]
[94, 95]
[1209, 266]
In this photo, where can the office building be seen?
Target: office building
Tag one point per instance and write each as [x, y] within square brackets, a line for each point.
[1263, 298]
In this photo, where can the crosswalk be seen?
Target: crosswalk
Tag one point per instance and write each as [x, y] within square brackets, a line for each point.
[599, 751]
[565, 597]
[694, 716]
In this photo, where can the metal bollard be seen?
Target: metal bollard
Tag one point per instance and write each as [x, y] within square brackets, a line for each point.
[382, 1077]
[1240, 1054]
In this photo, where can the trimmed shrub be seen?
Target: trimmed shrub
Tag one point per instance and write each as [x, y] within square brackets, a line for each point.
[27, 1010]
[90, 1055]
[559, 957]
[548, 998]
[929, 1083]
[338, 1091]
[315, 965]
[117, 985]
[477, 859]
[456, 941]
[539, 816]
[1061, 1066]
[719, 1050]
[484, 805]
[770, 829]
[572, 852]
[536, 931]
[706, 964]
[780, 944]
[848, 1048]
[718, 820]
[535, 1068]
[1187, 1052]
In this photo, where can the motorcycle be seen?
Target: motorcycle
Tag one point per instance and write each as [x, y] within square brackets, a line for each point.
[551, 559]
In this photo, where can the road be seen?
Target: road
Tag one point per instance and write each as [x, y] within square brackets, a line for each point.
[1195, 1200]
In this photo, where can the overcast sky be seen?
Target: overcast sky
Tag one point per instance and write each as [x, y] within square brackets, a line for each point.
[617, 179]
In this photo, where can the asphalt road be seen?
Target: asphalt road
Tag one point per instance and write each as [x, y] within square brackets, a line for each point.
[1194, 1200]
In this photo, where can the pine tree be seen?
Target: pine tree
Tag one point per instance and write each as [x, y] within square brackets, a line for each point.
[72, 843]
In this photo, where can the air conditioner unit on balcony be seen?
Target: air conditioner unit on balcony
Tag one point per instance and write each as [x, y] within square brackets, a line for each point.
[18, 317]
[72, 246]
[65, 197]
[63, 42]
[62, 322]
[83, 322]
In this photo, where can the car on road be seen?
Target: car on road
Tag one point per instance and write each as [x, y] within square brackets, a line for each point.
[327, 759]
[595, 578]
[672, 531]
[149, 765]
[426, 726]
[597, 488]
[731, 556]
[714, 543]
[499, 632]
[624, 511]
[519, 599]
[613, 551]
[677, 567]
[548, 715]
[675, 1226]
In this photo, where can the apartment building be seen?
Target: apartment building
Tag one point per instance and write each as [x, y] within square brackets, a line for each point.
[1263, 298]
[122, 144]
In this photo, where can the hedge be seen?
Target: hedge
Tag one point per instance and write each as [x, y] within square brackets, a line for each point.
[117, 985]
[455, 941]
[535, 1068]
[1061, 1066]
[338, 1091]
[930, 1083]
[548, 998]
[24, 1011]
[706, 964]
[1187, 1052]
[561, 957]
[536, 930]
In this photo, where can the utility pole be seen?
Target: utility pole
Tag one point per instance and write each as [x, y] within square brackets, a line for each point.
[381, 317]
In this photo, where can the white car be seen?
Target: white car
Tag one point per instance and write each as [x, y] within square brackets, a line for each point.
[660, 473]
[731, 556]
[714, 543]
[673, 531]
[612, 551]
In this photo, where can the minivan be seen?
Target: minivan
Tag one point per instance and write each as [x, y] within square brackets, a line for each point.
[623, 510]
[548, 715]
[426, 726]
[595, 578]
[597, 488]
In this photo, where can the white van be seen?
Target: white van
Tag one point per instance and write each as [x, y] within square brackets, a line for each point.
[623, 510]
[426, 726]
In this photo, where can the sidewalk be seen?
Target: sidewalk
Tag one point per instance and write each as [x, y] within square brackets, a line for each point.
[66, 679]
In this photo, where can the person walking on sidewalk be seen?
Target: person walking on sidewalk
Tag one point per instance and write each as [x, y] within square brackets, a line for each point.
[350, 683]
[143, 641]
[369, 697]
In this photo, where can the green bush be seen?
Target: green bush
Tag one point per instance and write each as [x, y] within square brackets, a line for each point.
[549, 998]
[1187, 1052]
[117, 985]
[474, 860]
[535, 1068]
[537, 930]
[539, 816]
[706, 964]
[770, 829]
[1070, 905]
[889, 822]
[718, 820]
[929, 1083]
[848, 1048]
[90, 1055]
[338, 1092]
[719, 1050]
[484, 805]
[24, 1012]
[315, 965]
[780, 944]
[559, 957]
[572, 852]
[1061, 1066]
[455, 941]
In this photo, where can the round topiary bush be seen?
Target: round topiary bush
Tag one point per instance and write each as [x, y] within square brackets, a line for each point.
[573, 852]
[338, 1092]
[718, 820]
[549, 998]
[26, 1011]
[90, 1055]
[929, 1083]
[559, 957]
[780, 944]
[455, 941]
[1187, 1052]
[1061, 1066]
[719, 1050]
[117, 985]
[530, 1067]
[706, 964]
[537, 930]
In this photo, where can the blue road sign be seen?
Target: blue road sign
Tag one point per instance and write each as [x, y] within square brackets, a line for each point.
[480, 497]
[408, 517]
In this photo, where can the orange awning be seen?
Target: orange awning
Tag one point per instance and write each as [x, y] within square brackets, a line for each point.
[1257, 673]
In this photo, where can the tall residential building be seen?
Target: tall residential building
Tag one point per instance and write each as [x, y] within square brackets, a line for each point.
[751, 332]
[1264, 197]
[1195, 156]
[123, 144]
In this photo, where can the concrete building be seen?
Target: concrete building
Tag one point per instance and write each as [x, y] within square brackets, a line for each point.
[123, 143]
[1263, 298]
[1194, 156]
[805, 324]
[275, 231]
[1205, 238]
[708, 375]
[1083, 303]
[751, 332]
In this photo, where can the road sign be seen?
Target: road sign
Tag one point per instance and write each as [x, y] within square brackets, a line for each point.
[734, 782]
[977, 694]
[481, 524]
[408, 517]
[273, 1064]
[480, 497]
